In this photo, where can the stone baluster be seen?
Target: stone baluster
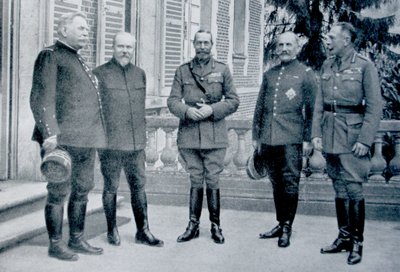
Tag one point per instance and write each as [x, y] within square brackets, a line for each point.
[317, 165]
[378, 163]
[241, 155]
[394, 164]
[169, 155]
[151, 149]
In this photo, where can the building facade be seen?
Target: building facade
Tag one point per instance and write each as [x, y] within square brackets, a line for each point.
[164, 32]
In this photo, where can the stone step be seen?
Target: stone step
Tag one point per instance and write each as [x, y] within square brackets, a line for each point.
[30, 223]
[18, 198]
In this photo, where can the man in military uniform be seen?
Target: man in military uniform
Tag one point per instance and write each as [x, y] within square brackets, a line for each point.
[66, 106]
[123, 91]
[346, 118]
[202, 95]
[281, 131]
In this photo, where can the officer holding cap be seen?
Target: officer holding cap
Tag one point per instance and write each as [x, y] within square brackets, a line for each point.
[280, 127]
[66, 106]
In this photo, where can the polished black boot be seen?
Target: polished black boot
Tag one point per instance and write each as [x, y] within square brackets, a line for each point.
[139, 208]
[213, 201]
[342, 242]
[110, 210]
[195, 207]
[357, 221]
[288, 212]
[76, 217]
[54, 220]
[284, 239]
[276, 231]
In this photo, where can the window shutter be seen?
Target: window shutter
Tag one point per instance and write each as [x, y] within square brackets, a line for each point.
[114, 23]
[173, 39]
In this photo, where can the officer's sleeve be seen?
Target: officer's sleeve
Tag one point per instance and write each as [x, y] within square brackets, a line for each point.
[316, 130]
[230, 103]
[43, 94]
[310, 89]
[174, 101]
[373, 105]
[259, 109]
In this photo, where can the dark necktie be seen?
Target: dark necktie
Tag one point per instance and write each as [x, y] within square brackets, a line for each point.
[338, 61]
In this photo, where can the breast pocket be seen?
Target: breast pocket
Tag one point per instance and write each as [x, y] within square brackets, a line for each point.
[326, 81]
[215, 87]
[352, 82]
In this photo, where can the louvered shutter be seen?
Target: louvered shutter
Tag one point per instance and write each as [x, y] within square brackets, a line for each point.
[114, 23]
[173, 39]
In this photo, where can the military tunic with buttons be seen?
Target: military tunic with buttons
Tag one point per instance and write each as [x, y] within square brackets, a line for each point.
[202, 144]
[65, 99]
[282, 122]
[336, 118]
[286, 90]
[220, 95]
[66, 103]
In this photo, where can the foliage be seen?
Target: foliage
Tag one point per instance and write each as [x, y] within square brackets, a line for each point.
[314, 18]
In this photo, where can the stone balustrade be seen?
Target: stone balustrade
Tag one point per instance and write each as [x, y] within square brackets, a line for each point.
[162, 153]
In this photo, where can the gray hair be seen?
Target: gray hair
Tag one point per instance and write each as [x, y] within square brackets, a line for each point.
[67, 19]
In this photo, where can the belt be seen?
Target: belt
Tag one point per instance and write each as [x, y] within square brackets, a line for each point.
[344, 108]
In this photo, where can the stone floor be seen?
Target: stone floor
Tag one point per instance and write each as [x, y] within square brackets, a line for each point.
[242, 251]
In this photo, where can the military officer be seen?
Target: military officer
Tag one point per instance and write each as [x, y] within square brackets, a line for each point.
[202, 95]
[281, 130]
[347, 113]
[67, 109]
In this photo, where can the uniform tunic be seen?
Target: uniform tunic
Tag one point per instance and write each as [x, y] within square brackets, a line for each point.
[65, 102]
[202, 144]
[123, 91]
[220, 95]
[354, 83]
[283, 113]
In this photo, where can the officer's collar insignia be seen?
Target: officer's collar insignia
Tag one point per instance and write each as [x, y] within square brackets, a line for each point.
[290, 93]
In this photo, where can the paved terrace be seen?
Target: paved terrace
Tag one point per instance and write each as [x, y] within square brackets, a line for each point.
[243, 251]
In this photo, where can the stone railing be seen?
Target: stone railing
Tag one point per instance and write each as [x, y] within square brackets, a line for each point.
[161, 152]
[162, 155]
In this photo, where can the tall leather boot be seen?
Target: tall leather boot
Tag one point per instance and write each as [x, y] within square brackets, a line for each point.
[139, 208]
[76, 217]
[357, 221]
[54, 220]
[195, 207]
[289, 212]
[342, 242]
[213, 201]
[110, 211]
[277, 230]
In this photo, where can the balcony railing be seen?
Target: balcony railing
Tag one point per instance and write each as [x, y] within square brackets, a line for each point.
[162, 153]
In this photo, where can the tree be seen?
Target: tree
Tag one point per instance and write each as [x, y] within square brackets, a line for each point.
[313, 18]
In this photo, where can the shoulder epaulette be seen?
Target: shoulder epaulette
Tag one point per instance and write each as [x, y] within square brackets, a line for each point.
[362, 57]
